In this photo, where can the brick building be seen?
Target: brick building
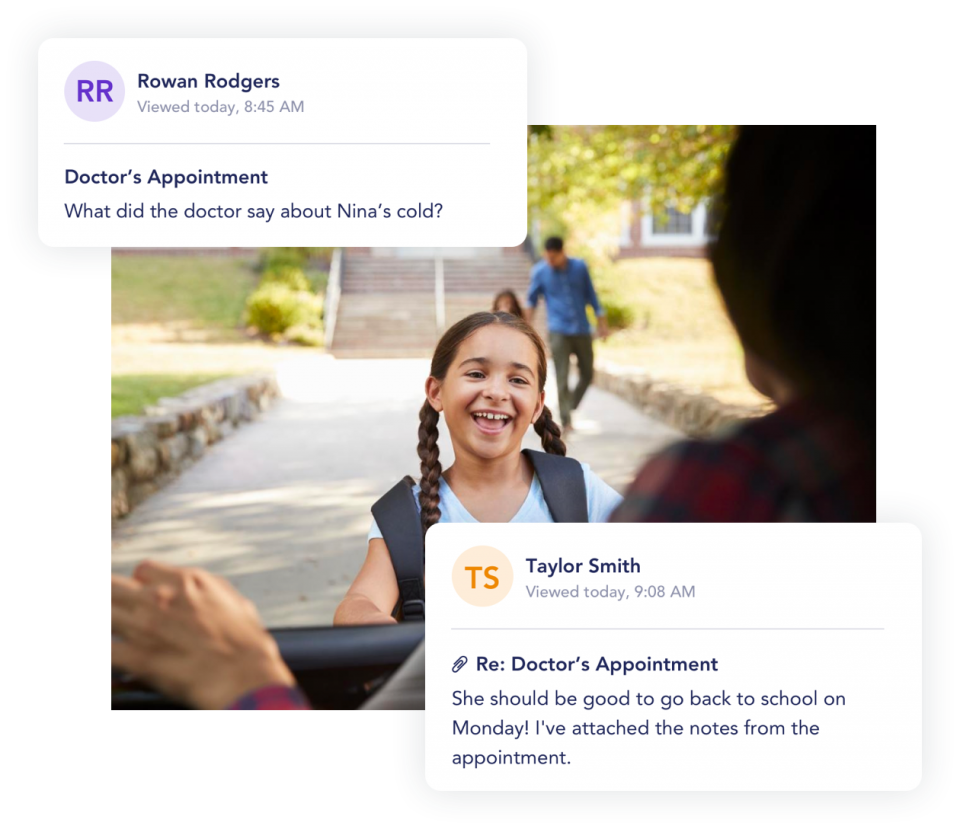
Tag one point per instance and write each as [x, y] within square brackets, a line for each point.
[683, 234]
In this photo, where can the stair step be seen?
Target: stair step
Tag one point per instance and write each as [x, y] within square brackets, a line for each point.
[387, 304]
[379, 353]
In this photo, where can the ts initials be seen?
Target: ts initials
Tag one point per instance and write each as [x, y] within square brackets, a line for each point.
[488, 572]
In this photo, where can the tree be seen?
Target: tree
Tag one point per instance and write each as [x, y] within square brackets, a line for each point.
[675, 166]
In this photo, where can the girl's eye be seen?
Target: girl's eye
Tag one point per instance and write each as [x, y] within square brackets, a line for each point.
[519, 380]
[475, 375]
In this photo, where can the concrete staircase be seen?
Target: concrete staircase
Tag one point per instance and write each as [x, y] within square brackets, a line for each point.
[385, 325]
[387, 305]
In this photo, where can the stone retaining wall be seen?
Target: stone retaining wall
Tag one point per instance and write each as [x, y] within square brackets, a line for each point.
[688, 410]
[148, 451]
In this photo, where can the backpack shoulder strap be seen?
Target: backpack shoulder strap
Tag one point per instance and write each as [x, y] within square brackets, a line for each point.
[563, 486]
[399, 520]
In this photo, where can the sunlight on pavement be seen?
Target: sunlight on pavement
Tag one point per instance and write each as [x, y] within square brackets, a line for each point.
[586, 426]
[282, 508]
[301, 377]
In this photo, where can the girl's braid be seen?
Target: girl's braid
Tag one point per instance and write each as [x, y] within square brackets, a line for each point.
[430, 467]
[549, 433]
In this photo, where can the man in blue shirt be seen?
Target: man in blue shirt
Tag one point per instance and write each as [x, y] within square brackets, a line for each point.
[565, 285]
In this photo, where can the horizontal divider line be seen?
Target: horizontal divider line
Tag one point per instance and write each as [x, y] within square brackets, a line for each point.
[667, 628]
[276, 143]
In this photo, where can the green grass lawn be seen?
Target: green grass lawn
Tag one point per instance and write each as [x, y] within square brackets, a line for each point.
[131, 392]
[171, 298]
[673, 298]
[178, 323]
[681, 332]
[204, 291]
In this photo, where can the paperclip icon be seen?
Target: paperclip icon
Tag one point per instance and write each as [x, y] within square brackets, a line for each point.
[459, 663]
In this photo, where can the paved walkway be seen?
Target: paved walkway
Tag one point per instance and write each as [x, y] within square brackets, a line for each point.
[282, 507]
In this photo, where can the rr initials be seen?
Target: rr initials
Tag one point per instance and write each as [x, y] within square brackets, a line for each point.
[104, 88]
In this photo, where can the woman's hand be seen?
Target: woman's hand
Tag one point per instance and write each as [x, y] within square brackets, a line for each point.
[192, 636]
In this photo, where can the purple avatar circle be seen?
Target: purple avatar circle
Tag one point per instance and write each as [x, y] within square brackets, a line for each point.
[94, 91]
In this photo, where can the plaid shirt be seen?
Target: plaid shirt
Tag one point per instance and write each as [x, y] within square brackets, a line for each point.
[272, 698]
[800, 463]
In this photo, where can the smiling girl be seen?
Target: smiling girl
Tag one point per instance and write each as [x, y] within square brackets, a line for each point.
[487, 379]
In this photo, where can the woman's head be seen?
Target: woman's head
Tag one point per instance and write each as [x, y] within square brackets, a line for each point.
[487, 377]
[795, 259]
[507, 302]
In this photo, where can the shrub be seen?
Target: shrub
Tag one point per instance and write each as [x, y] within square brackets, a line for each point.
[304, 335]
[293, 278]
[276, 258]
[313, 308]
[318, 281]
[274, 307]
[619, 314]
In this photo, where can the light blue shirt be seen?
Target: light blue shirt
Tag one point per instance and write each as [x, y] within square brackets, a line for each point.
[602, 500]
[567, 293]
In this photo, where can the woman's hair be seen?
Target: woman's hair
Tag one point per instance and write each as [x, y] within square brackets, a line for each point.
[795, 258]
[511, 298]
[446, 350]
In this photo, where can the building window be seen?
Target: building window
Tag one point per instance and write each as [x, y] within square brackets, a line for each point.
[674, 229]
[676, 223]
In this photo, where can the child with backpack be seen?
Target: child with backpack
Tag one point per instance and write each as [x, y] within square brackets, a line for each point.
[487, 377]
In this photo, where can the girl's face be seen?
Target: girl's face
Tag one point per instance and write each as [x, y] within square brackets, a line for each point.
[490, 395]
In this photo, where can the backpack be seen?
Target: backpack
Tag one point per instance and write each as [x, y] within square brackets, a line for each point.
[397, 516]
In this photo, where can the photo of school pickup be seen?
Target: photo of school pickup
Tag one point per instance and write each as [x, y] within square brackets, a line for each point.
[686, 335]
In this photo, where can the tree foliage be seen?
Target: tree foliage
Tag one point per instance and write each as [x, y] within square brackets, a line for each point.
[602, 166]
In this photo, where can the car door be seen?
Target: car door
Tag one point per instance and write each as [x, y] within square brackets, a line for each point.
[336, 667]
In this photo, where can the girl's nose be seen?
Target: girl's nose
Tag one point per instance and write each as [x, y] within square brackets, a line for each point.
[496, 389]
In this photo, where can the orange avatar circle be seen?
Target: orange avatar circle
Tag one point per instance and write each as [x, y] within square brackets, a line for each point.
[482, 576]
